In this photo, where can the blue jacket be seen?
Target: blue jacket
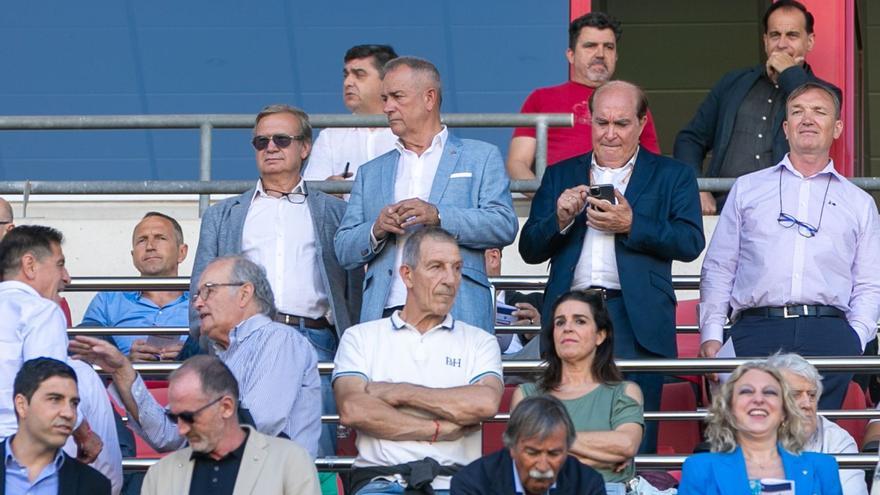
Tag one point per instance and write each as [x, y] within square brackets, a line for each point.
[711, 127]
[667, 225]
[472, 193]
[493, 475]
[725, 474]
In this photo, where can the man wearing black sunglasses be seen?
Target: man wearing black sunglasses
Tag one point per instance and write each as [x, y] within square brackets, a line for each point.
[795, 253]
[223, 456]
[286, 228]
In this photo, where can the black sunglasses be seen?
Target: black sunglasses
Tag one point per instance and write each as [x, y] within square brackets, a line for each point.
[189, 417]
[281, 140]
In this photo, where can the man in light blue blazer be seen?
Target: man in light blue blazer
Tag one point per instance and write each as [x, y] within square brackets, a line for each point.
[430, 178]
[287, 228]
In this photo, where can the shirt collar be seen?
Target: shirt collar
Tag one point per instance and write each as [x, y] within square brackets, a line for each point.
[238, 453]
[629, 163]
[829, 168]
[138, 296]
[517, 483]
[398, 324]
[244, 330]
[260, 192]
[15, 284]
[9, 459]
[439, 142]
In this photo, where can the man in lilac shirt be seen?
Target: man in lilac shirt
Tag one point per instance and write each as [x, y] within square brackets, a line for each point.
[794, 256]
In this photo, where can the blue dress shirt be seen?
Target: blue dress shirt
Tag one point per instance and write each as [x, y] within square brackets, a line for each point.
[17, 481]
[131, 309]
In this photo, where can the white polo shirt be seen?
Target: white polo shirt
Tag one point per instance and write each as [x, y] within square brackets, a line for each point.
[451, 354]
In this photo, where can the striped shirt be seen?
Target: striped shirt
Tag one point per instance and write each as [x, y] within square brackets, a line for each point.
[277, 373]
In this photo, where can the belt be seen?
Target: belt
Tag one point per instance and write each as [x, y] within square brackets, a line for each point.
[795, 311]
[606, 293]
[320, 324]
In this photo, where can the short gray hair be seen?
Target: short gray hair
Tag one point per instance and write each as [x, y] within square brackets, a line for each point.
[305, 126]
[538, 417]
[215, 376]
[797, 365]
[412, 249]
[807, 86]
[422, 67]
[246, 271]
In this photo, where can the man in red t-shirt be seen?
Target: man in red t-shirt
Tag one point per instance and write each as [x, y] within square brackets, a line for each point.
[592, 52]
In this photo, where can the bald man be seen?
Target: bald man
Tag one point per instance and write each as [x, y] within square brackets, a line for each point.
[6, 219]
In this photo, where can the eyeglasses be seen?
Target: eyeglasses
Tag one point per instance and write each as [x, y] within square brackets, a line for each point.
[206, 290]
[294, 197]
[189, 417]
[281, 140]
[803, 228]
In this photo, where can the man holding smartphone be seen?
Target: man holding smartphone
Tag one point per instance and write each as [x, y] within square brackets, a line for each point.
[613, 220]
[157, 250]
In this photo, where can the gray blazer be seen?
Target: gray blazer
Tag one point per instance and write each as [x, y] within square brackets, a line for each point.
[472, 193]
[220, 235]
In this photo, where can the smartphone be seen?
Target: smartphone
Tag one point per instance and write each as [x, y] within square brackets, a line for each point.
[162, 341]
[604, 191]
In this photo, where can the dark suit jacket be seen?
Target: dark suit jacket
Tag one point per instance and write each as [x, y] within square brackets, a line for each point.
[667, 225]
[493, 475]
[220, 235]
[712, 125]
[75, 478]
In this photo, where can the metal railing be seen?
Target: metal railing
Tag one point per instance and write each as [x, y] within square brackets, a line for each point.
[647, 462]
[206, 123]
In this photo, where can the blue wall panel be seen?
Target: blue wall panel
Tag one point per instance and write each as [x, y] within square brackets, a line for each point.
[231, 56]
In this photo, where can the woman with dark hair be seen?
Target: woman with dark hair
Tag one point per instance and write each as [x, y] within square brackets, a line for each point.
[607, 411]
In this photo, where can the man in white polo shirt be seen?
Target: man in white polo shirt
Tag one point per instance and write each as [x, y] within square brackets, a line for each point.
[416, 385]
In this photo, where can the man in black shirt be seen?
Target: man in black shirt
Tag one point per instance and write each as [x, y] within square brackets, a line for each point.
[223, 457]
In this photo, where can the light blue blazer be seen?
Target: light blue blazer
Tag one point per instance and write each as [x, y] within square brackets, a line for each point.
[725, 473]
[471, 190]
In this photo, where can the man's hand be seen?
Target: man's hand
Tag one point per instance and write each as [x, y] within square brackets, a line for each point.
[709, 349]
[89, 444]
[141, 352]
[526, 314]
[340, 177]
[105, 355]
[777, 62]
[414, 211]
[607, 217]
[569, 205]
[388, 222]
[450, 431]
[707, 203]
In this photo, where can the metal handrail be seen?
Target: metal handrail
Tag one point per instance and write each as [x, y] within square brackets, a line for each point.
[649, 462]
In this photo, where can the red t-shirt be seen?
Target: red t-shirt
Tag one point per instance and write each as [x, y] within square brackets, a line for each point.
[567, 142]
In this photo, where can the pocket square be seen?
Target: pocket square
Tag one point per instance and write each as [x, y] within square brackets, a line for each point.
[461, 175]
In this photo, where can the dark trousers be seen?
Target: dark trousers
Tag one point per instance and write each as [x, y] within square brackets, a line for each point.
[627, 347]
[756, 336]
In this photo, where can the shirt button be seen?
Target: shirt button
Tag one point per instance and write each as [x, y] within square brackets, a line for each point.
[757, 157]
[769, 100]
[764, 117]
[760, 136]
[213, 480]
[216, 468]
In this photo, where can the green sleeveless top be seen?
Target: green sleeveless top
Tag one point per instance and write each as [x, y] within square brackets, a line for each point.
[603, 409]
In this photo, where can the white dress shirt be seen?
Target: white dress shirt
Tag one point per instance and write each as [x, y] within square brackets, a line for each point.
[336, 147]
[415, 176]
[832, 439]
[31, 326]
[597, 265]
[95, 405]
[279, 236]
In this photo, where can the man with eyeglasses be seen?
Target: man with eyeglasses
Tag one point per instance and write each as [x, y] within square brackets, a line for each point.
[7, 221]
[275, 367]
[823, 435]
[794, 257]
[339, 152]
[223, 456]
[288, 229]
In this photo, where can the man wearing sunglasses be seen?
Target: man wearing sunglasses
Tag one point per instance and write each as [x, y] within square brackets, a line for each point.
[288, 229]
[795, 253]
[431, 178]
[223, 456]
[275, 367]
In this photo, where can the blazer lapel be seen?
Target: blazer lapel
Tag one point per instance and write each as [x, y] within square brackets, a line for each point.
[797, 471]
[252, 463]
[68, 477]
[3, 467]
[448, 162]
[237, 216]
[732, 470]
[388, 176]
[643, 171]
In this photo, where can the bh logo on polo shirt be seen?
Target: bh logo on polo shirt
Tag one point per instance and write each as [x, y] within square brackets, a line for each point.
[454, 362]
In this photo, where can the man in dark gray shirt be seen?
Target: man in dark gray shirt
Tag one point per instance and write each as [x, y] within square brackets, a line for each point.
[740, 121]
